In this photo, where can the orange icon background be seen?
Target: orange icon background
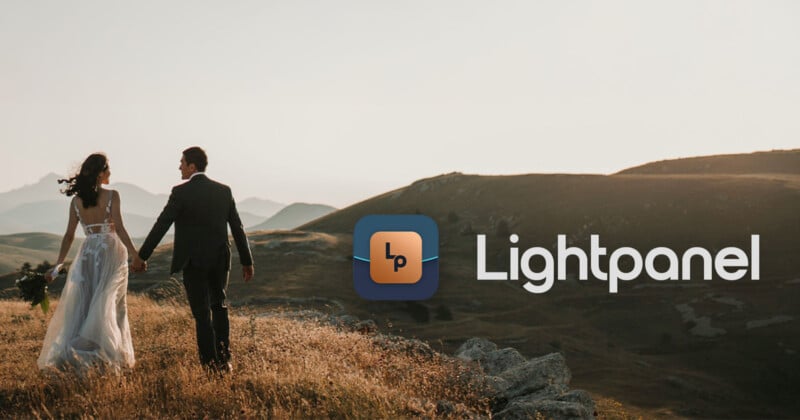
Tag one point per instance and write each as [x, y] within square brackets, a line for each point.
[404, 266]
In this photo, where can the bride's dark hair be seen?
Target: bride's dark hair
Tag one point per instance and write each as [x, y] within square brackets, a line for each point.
[84, 183]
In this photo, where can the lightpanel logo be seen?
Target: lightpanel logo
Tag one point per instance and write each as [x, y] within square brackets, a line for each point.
[396, 257]
[730, 263]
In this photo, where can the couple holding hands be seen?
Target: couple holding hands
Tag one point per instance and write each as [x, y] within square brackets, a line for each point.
[90, 323]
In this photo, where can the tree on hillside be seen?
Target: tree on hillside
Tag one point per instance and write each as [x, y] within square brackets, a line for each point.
[43, 267]
[40, 268]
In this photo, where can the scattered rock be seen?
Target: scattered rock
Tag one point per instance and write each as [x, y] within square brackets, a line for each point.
[523, 389]
[410, 346]
[581, 397]
[537, 374]
[172, 288]
[347, 322]
[366, 327]
[727, 300]
[498, 361]
[700, 326]
[475, 349]
[548, 409]
[703, 328]
[497, 385]
[765, 322]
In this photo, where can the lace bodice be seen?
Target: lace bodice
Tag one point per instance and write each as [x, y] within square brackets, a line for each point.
[98, 228]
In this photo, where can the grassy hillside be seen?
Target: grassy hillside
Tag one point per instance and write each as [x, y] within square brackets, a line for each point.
[29, 247]
[37, 241]
[35, 247]
[772, 162]
[283, 368]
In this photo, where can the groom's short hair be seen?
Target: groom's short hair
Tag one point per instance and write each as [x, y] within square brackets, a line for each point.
[197, 156]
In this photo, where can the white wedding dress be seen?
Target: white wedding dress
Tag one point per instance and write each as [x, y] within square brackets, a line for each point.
[90, 323]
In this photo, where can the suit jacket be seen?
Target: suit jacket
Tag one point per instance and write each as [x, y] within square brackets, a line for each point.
[202, 210]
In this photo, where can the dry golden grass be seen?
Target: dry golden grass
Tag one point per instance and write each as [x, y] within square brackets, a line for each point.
[611, 409]
[282, 368]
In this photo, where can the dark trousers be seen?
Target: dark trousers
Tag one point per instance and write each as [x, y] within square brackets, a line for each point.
[205, 288]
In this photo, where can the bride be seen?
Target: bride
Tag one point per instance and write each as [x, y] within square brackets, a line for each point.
[90, 323]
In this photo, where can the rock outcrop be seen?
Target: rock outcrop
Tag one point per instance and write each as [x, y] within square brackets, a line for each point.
[526, 388]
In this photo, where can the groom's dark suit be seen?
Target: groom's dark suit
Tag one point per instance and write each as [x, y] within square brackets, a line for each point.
[202, 210]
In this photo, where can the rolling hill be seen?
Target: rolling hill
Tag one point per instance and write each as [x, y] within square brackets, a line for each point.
[293, 216]
[772, 162]
[29, 247]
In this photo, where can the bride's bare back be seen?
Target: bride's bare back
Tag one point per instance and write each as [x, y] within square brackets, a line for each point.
[96, 216]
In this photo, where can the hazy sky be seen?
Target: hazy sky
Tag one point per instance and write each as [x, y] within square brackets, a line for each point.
[336, 101]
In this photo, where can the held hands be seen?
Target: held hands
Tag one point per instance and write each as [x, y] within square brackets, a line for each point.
[247, 272]
[52, 274]
[139, 265]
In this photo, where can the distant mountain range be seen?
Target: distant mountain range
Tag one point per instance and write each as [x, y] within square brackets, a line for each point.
[40, 207]
[293, 216]
[259, 207]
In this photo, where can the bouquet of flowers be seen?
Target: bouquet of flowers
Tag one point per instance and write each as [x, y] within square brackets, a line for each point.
[33, 288]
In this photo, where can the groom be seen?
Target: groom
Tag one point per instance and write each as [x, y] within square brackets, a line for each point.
[202, 209]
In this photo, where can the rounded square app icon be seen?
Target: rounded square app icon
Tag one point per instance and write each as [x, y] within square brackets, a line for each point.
[396, 257]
